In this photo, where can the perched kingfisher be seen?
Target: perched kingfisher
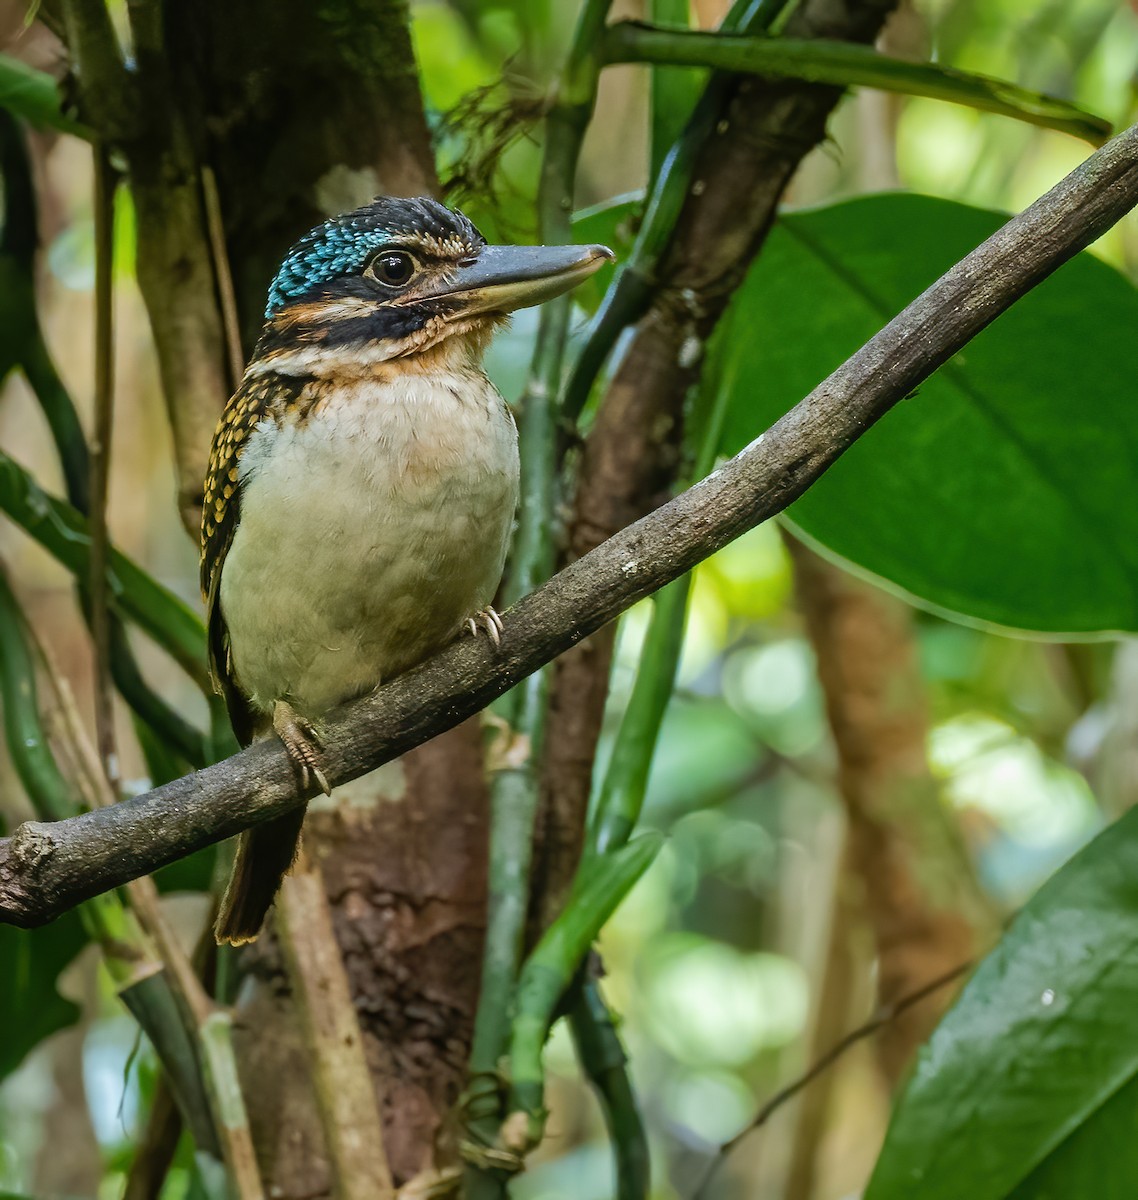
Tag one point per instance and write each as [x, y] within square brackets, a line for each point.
[362, 482]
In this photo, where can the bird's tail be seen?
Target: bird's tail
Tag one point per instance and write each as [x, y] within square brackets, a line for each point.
[264, 855]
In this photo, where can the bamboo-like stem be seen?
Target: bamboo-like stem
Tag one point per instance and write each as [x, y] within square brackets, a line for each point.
[621, 795]
[228, 1105]
[182, 1003]
[514, 792]
[345, 1093]
[104, 206]
[844, 64]
[605, 1064]
[635, 283]
[549, 972]
[191, 1001]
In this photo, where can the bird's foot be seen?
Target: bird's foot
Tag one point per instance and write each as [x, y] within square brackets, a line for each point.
[302, 743]
[488, 621]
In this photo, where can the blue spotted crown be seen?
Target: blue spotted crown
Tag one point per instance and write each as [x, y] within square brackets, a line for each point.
[343, 245]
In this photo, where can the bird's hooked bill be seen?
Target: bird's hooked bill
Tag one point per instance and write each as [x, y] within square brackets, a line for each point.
[505, 278]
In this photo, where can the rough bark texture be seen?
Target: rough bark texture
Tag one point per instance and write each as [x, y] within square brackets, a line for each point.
[630, 458]
[301, 110]
[917, 889]
[406, 875]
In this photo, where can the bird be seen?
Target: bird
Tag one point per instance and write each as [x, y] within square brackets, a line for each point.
[362, 484]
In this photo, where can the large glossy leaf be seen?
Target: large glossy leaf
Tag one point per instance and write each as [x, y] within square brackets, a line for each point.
[1029, 1086]
[999, 491]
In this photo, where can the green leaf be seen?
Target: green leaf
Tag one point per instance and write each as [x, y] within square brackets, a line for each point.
[33, 95]
[134, 594]
[30, 1007]
[994, 492]
[845, 64]
[1028, 1089]
[612, 223]
[675, 90]
[30, 960]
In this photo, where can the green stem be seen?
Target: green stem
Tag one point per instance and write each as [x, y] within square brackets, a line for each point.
[846, 64]
[171, 728]
[605, 1064]
[215, 1042]
[154, 1005]
[62, 419]
[514, 792]
[621, 795]
[628, 298]
[674, 91]
[17, 244]
[551, 967]
[626, 779]
[62, 531]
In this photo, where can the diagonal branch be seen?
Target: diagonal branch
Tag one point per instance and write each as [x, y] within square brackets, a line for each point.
[45, 868]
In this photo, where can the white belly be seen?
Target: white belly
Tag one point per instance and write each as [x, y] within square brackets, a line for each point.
[367, 535]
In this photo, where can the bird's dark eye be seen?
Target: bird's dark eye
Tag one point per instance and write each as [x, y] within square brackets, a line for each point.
[392, 267]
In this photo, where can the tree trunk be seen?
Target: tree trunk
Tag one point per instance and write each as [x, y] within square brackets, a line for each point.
[917, 890]
[242, 127]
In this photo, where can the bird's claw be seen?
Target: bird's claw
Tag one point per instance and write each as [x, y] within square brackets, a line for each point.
[302, 742]
[488, 621]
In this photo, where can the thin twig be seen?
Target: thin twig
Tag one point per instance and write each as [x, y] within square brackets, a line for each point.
[881, 1018]
[345, 1093]
[47, 867]
[104, 205]
[227, 298]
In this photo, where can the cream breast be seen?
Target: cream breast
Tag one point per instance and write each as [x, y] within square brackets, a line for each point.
[368, 533]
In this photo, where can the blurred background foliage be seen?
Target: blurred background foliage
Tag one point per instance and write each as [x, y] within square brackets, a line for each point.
[718, 962]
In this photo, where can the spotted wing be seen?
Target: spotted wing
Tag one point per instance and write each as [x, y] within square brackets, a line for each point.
[258, 397]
